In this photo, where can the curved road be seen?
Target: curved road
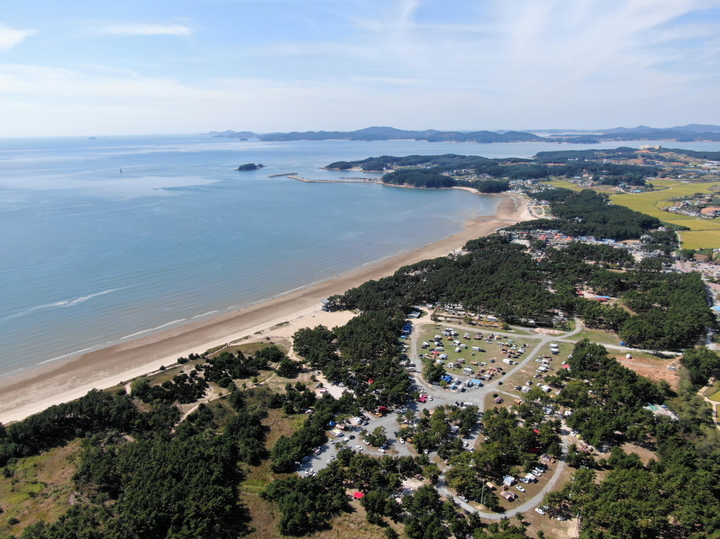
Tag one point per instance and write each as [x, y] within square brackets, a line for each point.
[475, 396]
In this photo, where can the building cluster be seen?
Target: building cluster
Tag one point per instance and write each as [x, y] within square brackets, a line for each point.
[555, 238]
[703, 205]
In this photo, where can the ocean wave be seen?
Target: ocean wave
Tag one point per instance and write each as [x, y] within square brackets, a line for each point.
[65, 356]
[59, 304]
[152, 329]
[205, 314]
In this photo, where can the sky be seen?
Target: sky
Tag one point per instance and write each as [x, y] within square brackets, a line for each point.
[83, 67]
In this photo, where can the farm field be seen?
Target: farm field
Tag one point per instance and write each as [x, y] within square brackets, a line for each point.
[696, 224]
[700, 239]
[564, 184]
[650, 202]
[703, 233]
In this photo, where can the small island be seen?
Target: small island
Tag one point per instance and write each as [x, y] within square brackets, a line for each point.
[250, 166]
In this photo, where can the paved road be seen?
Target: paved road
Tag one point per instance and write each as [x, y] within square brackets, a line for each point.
[441, 396]
[528, 504]
[477, 397]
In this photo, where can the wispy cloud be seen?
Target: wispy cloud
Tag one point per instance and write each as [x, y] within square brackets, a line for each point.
[448, 64]
[9, 37]
[142, 29]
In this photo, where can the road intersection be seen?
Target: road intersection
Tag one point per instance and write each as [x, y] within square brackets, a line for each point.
[440, 396]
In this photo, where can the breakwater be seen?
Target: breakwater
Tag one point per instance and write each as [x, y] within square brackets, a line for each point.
[341, 180]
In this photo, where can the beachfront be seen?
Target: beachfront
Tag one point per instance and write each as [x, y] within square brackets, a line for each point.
[35, 390]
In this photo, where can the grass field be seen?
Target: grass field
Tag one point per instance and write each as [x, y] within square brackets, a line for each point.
[489, 351]
[565, 185]
[38, 488]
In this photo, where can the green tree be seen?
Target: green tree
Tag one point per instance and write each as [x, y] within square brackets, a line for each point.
[288, 368]
[700, 363]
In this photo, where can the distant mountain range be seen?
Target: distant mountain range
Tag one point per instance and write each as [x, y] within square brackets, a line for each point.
[687, 133]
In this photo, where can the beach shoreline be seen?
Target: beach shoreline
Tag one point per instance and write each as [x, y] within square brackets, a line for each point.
[35, 390]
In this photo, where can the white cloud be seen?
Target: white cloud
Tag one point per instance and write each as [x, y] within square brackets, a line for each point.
[141, 29]
[10, 37]
[509, 64]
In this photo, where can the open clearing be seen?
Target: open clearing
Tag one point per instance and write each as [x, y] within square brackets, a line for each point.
[40, 488]
[653, 368]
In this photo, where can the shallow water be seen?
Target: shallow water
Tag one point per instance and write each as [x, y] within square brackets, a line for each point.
[109, 239]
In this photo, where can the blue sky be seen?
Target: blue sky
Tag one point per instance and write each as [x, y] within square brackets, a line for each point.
[103, 68]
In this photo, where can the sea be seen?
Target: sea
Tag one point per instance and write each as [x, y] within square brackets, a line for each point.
[107, 239]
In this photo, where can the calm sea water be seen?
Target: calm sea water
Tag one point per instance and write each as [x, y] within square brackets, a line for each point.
[92, 256]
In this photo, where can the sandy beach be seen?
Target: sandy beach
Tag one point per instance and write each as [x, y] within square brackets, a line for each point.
[35, 390]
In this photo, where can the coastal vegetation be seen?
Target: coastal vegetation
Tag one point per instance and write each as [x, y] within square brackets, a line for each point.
[428, 179]
[634, 498]
[493, 175]
[144, 468]
[640, 176]
[654, 310]
[587, 213]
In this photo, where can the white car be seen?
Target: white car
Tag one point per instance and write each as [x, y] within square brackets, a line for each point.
[540, 510]
[381, 450]
[521, 489]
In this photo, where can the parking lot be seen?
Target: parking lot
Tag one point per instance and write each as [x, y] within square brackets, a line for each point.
[521, 353]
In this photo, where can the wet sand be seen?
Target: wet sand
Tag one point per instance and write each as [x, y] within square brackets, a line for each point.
[33, 391]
